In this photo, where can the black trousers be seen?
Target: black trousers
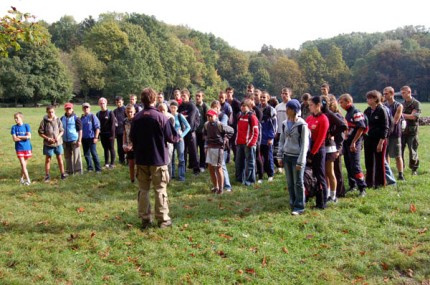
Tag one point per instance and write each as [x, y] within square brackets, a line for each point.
[191, 152]
[318, 171]
[108, 148]
[120, 150]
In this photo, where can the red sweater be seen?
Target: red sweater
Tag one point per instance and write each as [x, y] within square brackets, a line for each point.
[247, 133]
[318, 126]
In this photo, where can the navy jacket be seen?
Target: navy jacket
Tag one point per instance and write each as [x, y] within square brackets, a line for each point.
[150, 132]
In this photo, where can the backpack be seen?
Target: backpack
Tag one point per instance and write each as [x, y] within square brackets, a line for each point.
[109, 113]
[92, 121]
[299, 129]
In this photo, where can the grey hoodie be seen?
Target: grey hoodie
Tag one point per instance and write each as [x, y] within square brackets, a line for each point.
[294, 143]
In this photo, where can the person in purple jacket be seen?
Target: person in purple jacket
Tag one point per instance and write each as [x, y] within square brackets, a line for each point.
[150, 132]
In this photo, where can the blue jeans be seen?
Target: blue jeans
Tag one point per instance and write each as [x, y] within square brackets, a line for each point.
[245, 164]
[389, 174]
[227, 184]
[295, 184]
[179, 148]
[90, 150]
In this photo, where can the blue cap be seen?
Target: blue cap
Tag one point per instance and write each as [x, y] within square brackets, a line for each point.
[294, 104]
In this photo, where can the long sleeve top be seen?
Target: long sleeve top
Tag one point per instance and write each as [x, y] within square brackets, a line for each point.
[318, 125]
[378, 122]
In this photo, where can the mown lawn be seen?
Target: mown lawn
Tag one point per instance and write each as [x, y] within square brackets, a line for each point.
[85, 230]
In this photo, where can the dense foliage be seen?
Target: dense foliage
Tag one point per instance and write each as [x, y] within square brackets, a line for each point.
[119, 54]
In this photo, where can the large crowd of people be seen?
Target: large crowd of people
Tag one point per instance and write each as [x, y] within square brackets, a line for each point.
[159, 140]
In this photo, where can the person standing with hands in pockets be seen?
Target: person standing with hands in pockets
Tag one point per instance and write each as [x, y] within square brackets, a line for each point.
[293, 146]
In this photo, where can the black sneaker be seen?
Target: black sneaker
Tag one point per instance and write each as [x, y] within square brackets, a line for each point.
[47, 178]
[146, 224]
[331, 200]
[63, 176]
[401, 177]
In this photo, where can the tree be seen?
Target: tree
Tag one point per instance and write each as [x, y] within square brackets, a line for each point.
[36, 74]
[16, 28]
[233, 66]
[14, 85]
[313, 67]
[286, 73]
[65, 33]
[107, 40]
[90, 70]
[338, 73]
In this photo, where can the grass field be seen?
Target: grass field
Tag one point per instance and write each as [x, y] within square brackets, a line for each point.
[85, 230]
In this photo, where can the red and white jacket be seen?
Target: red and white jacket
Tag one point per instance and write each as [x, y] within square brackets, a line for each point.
[247, 130]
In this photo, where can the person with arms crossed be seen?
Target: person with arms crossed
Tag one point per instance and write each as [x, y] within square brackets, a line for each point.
[51, 130]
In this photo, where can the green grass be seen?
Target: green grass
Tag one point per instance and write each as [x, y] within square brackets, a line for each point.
[85, 230]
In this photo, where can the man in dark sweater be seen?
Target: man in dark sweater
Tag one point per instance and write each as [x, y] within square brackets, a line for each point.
[150, 132]
[189, 110]
[119, 130]
[107, 133]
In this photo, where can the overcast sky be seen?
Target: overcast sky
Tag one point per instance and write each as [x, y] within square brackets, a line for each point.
[248, 24]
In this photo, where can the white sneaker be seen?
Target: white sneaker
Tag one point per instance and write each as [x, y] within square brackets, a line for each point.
[270, 179]
[260, 181]
[202, 169]
[22, 181]
[295, 213]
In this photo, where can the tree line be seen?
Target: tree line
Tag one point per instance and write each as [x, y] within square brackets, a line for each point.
[119, 54]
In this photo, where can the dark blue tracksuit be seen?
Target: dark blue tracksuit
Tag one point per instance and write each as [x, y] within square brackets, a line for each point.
[355, 120]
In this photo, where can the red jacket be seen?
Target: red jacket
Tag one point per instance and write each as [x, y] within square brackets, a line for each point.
[318, 125]
[247, 132]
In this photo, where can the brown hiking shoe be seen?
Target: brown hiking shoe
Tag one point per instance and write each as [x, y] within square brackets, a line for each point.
[165, 224]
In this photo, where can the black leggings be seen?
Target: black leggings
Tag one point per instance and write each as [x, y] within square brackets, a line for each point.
[108, 148]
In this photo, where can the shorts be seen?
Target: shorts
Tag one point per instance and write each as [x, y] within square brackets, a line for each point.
[394, 148]
[215, 157]
[330, 156]
[24, 153]
[130, 154]
[50, 151]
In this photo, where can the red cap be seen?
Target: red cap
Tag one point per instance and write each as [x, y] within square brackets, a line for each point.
[211, 113]
[68, 106]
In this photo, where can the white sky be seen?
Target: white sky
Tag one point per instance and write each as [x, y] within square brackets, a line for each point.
[248, 24]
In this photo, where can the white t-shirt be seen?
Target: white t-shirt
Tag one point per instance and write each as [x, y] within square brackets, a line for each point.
[281, 114]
